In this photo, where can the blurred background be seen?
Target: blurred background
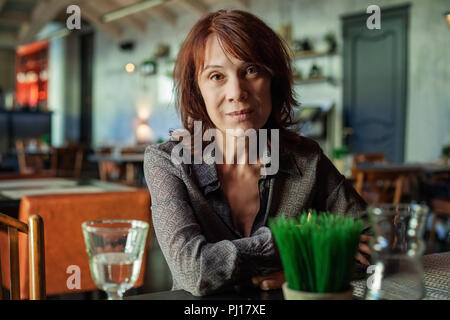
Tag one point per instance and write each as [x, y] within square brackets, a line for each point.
[84, 89]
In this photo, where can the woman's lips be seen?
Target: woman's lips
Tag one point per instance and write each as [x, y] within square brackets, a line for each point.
[240, 115]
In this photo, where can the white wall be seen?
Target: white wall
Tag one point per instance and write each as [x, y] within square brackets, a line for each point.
[428, 109]
[56, 89]
[64, 89]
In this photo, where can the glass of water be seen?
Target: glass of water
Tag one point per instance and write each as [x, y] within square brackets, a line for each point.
[397, 249]
[115, 249]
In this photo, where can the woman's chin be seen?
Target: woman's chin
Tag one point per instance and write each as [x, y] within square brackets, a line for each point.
[237, 129]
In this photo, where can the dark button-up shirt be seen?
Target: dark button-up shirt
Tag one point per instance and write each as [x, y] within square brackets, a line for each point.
[193, 223]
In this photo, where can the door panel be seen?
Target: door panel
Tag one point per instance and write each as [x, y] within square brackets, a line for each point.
[375, 83]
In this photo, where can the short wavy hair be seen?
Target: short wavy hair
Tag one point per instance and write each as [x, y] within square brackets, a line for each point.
[246, 37]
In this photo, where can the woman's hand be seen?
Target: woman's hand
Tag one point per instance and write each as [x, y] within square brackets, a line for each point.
[363, 248]
[275, 280]
[269, 282]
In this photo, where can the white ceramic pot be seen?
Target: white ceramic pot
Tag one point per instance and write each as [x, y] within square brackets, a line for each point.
[290, 294]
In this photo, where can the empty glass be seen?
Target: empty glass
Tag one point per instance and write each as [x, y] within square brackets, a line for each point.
[397, 247]
[115, 249]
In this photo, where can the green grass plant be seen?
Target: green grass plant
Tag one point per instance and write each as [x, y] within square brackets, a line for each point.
[317, 250]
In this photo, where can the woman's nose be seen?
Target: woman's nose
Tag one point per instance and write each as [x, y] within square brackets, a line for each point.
[236, 91]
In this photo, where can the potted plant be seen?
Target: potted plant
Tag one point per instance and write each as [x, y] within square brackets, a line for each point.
[318, 254]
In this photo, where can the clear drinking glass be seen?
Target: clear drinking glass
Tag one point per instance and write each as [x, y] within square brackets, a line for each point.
[397, 247]
[115, 249]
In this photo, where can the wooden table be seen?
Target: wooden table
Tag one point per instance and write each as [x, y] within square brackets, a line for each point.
[412, 175]
[427, 168]
[436, 278]
[133, 165]
[12, 191]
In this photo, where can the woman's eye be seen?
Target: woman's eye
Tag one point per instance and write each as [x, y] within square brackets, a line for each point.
[252, 70]
[215, 77]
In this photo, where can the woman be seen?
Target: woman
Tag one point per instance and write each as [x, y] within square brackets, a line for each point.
[210, 217]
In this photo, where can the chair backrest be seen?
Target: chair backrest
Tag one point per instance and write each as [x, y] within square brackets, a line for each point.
[440, 207]
[12, 267]
[359, 158]
[65, 249]
[67, 161]
[380, 186]
[29, 163]
[369, 157]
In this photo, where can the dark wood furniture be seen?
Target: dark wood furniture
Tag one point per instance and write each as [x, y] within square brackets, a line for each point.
[440, 207]
[63, 215]
[67, 161]
[436, 274]
[36, 263]
[16, 125]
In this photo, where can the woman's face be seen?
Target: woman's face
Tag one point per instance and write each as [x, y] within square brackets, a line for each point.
[236, 93]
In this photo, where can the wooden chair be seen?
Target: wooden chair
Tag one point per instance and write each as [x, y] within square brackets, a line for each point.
[377, 187]
[30, 162]
[380, 187]
[440, 207]
[67, 161]
[128, 170]
[365, 158]
[117, 172]
[63, 215]
[108, 171]
[16, 267]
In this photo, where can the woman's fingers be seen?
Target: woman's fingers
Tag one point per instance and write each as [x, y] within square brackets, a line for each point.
[257, 280]
[362, 259]
[275, 282]
[364, 248]
[269, 282]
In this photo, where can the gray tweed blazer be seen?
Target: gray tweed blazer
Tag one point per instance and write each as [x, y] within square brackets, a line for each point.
[193, 223]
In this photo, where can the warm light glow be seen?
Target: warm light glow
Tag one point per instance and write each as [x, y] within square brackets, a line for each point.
[130, 67]
[31, 77]
[144, 134]
[144, 107]
[43, 75]
[447, 17]
[21, 78]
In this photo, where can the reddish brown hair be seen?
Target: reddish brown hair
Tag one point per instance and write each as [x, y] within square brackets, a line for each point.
[247, 38]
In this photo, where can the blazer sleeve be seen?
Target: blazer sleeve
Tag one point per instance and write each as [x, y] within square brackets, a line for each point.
[198, 266]
[336, 194]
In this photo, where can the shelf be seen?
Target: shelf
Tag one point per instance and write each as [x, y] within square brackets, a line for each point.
[16, 111]
[312, 54]
[315, 80]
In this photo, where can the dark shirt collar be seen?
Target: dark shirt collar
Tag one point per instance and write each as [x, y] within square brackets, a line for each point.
[288, 164]
[207, 173]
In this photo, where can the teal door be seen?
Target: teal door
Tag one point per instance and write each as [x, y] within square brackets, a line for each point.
[375, 83]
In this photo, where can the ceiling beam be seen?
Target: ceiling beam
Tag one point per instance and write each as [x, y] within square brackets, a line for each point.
[93, 16]
[163, 14]
[196, 6]
[156, 10]
[14, 18]
[44, 12]
[140, 16]
[243, 3]
[131, 9]
[133, 22]
[7, 39]
[2, 4]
